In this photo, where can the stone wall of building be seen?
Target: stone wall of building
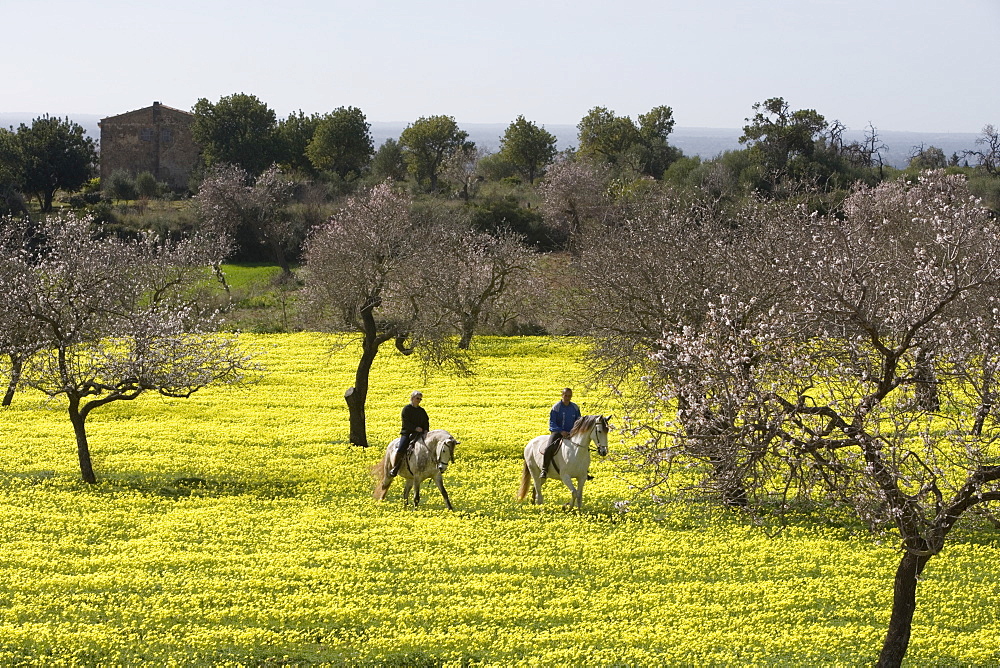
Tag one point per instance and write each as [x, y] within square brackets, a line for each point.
[155, 139]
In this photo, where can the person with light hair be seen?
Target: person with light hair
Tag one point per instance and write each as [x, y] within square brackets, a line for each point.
[415, 424]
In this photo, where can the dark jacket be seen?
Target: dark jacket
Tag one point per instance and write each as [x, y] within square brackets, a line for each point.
[413, 417]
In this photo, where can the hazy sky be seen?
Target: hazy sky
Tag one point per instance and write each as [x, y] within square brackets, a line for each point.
[919, 65]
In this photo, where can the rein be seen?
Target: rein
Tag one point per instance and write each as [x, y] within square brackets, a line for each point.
[451, 454]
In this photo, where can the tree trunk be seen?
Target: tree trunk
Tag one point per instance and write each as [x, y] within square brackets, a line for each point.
[982, 413]
[16, 364]
[726, 475]
[904, 603]
[926, 390]
[733, 492]
[357, 395]
[279, 256]
[468, 331]
[82, 448]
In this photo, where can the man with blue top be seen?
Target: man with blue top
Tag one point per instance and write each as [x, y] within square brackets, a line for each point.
[562, 417]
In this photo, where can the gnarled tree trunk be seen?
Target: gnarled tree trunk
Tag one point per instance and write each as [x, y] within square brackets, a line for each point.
[82, 448]
[357, 395]
[904, 603]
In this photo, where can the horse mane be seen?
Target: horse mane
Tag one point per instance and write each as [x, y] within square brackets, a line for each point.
[584, 424]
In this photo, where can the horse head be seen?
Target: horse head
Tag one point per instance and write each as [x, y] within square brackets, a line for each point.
[446, 452]
[601, 428]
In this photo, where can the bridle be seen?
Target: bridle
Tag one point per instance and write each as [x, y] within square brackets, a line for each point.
[450, 445]
[601, 426]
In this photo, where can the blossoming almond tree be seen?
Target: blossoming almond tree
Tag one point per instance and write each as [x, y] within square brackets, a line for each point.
[815, 393]
[116, 320]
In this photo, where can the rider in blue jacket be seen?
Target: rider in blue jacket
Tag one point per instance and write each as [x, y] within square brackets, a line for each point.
[562, 417]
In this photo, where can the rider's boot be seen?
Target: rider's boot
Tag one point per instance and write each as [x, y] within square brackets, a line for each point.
[547, 458]
[400, 458]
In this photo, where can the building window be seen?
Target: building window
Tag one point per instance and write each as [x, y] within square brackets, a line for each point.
[146, 134]
[166, 135]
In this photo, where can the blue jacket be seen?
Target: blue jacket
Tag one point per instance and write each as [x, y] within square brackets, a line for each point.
[562, 417]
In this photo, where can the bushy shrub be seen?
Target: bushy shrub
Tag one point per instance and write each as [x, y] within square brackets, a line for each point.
[146, 185]
[121, 185]
[501, 213]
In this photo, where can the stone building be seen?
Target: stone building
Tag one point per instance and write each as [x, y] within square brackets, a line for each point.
[155, 139]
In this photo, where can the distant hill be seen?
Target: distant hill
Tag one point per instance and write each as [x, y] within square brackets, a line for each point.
[704, 142]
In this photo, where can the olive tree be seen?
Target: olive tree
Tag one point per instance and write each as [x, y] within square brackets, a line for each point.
[813, 391]
[341, 143]
[363, 273]
[528, 147]
[114, 320]
[239, 129]
[56, 154]
[427, 142]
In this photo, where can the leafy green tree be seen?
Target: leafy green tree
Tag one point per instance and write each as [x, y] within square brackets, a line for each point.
[528, 147]
[427, 142]
[237, 130]
[146, 185]
[342, 142]
[120, 185]
[504, 215]
[294, 135]
[496, 167]
[617, 140]
[11, 168]
[11, 174]
[56, 154]
[606, 136]
[778, 134]
[655, 154]
[388, 162]
[930, 157]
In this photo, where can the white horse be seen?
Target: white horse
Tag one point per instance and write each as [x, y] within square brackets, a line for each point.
[572, 459]
[426, 457]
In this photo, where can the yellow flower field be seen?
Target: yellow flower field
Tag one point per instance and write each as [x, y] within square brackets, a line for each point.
[237, 528]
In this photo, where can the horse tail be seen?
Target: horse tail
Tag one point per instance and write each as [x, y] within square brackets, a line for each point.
[525, 482]
[382, 480]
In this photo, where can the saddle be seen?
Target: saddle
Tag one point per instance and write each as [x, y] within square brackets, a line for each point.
[555, 448]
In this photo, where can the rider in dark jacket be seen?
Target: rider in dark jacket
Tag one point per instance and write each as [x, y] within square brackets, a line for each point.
[415, 423]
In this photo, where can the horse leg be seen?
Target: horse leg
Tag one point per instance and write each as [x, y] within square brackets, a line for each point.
[579, 491]
[572, 490]
[406, 492]
[444, 492]
[536, 492]
[416, 492]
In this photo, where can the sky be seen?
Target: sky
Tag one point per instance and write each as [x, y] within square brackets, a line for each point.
[907, 65]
